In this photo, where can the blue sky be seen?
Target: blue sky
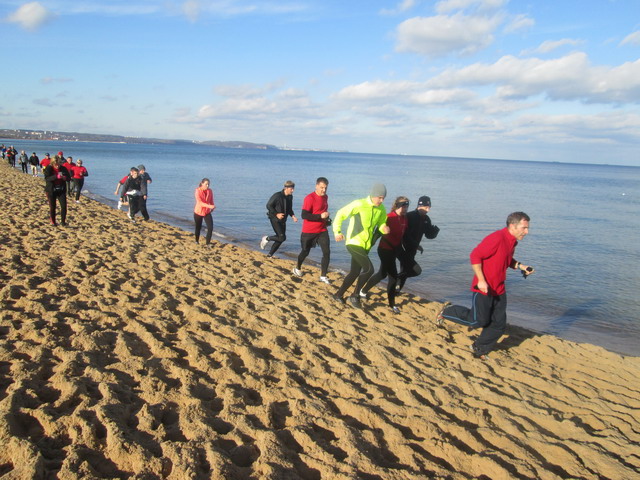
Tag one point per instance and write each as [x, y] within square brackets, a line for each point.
[551, 80]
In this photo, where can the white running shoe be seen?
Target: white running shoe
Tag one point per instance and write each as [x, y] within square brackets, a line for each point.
[325, 280]
[363, 294]
[296, 272]
[119, 204]
[263, 242]
[395, 310]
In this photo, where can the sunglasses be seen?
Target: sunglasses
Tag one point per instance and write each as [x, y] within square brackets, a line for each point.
[403, 204]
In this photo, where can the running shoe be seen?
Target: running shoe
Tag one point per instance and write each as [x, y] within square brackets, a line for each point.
[363, 294]
[440, 317]
[263, 242]
[325, 280]
[296, 272]
[338, 299]
[354, 302]
[478, 355]
[395, 310]
[119, 205]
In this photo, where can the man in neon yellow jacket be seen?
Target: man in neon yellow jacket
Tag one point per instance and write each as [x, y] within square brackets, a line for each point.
[367, 216]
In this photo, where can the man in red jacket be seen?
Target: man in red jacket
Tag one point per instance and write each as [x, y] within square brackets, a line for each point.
[490, 260]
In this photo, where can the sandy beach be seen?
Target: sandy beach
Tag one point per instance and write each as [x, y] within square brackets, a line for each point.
[128, 351]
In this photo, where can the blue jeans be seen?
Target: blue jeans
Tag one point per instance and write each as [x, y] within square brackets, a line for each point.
[487, 312]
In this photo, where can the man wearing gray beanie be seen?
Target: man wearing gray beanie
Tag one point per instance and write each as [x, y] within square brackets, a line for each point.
[367, 216]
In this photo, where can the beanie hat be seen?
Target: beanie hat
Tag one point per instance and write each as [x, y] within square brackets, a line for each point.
[141, 167]
[378, 190]
[424, 201]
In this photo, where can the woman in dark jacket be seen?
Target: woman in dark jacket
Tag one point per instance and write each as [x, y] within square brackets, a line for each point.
[56, 177]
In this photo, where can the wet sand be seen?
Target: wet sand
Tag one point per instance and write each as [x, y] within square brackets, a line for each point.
[128, 351]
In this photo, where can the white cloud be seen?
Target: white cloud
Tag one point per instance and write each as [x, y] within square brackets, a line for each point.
[551, 45]
[442, 35]
[632, 39]
[571, 77]
[191, 9]
[30, 16]
[518, 23]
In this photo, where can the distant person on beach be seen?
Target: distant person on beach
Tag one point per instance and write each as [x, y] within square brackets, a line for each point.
[23, 160]
[418, 225]
[45, 162]
[388, 250]
[315, 219]
[11, 156]
[122, 198]
[68, 164]
[78, 172]
[367, 216]
[202, 211]
[34, 161]
[55, 176]
[146, 179]
[134, 189]
[279, 208]
[489, 261]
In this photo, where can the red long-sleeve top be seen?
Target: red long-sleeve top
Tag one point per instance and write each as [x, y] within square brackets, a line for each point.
[495, 254]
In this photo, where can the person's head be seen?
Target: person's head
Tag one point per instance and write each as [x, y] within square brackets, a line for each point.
[204, 183]
[424, 205]
[141, 169]
[289, 186]
[321, 186]
[69, 159]
[518, 224]
[47, 155]
[79, 162]
[378, 194]
[400, 205]
[134, 172]
[55, 161]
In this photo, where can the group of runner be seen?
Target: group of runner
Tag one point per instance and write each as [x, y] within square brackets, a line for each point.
[399, 234]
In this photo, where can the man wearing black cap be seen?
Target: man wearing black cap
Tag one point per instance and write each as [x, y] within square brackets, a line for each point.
[418, 225]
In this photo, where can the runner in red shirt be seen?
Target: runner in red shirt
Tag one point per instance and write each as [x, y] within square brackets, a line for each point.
[490, 260]
[315, 216]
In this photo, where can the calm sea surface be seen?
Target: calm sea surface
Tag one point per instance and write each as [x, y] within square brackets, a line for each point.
[583, 241]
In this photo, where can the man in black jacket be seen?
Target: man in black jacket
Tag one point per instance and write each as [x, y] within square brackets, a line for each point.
[279, 207]
[419, 225]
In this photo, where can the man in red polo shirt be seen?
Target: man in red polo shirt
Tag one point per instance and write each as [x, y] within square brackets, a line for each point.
[490, 260]
[315, 216]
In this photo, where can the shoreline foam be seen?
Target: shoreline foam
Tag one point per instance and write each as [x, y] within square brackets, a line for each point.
[128, 350]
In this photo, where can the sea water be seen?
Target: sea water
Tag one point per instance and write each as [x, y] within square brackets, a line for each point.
[583, 240]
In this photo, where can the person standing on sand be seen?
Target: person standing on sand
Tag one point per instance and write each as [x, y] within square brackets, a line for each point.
[68, 164]
[315, 219]
[23, 160]
[367, 216]
[134, 188]
[279, 207]
[489, 261]
[204, 207]
[388, 251]
[418, 225]
[34, 161]
[146, 179]
[78, 172]
[122, 198]
[55, 176]
[45, 162]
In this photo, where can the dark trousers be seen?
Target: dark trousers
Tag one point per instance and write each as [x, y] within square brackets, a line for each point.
[408, 266]
[280, 230]
[361, 268]
[24, 167]
[487, 312]
[134, 204]
[208, 220]
[62, 199]
[77, 186]
[309, 241]
[387, 268]
[143, 208]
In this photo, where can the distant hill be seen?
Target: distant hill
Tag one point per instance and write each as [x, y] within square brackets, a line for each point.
[49, 135]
